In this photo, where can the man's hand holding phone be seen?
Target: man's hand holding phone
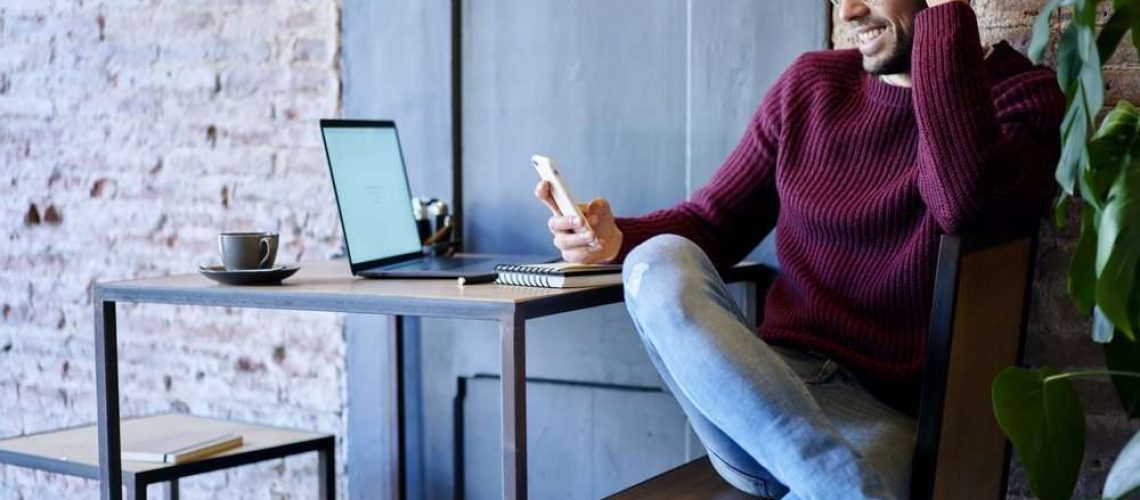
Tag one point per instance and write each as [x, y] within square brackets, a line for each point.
[597, 242]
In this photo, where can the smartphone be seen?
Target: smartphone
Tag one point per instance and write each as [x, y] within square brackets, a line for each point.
[558, 189]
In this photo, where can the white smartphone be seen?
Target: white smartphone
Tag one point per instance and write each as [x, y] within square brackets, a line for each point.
[558, 189]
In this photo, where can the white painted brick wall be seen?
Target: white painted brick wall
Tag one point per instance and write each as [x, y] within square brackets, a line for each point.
[131, 132]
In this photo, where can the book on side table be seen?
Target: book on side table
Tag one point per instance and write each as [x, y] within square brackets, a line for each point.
[177, 447]
[559, 275]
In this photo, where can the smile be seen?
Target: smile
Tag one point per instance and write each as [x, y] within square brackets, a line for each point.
[868, 40]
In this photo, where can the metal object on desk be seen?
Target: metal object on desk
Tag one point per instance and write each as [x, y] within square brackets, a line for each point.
[437, 211]
[419, 212]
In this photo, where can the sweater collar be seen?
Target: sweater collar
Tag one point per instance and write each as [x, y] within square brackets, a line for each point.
[883, 92]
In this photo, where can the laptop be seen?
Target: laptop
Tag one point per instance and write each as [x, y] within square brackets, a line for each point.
[370, 182]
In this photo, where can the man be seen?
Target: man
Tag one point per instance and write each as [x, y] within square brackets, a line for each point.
[860, 159]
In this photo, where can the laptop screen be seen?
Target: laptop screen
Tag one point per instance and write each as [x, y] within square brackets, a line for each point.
[372, 191]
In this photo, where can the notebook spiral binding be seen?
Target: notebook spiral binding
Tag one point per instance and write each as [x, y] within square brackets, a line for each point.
[523, 275]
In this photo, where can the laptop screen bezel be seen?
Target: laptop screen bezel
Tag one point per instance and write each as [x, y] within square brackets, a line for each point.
[341, 123]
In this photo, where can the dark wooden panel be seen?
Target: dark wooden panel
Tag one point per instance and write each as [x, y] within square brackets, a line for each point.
[986, 339]
[696, 480]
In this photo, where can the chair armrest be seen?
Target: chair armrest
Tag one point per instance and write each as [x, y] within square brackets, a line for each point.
[758, 279]
[760, 274]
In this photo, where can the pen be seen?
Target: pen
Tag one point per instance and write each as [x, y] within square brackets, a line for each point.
[477, 279]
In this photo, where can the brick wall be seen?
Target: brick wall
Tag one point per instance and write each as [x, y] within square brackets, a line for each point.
[1058, 334]
[131, 132]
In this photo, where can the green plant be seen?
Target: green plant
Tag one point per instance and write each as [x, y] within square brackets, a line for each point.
[1038, 409]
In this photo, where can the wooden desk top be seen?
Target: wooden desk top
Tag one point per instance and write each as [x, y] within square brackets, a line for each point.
[330, 286]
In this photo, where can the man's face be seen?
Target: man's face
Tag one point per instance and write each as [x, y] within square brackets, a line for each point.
[883, 31]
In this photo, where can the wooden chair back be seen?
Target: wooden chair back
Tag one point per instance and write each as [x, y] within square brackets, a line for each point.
[977, 328]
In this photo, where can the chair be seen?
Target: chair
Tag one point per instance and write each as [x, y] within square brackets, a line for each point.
[977, 328]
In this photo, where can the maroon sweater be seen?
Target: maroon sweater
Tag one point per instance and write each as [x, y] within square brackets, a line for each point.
[860, 178]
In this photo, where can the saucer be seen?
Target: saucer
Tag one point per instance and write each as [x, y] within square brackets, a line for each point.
[268, 276]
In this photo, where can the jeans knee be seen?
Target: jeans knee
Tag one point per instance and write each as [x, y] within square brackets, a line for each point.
[666, 250]
[657, 273]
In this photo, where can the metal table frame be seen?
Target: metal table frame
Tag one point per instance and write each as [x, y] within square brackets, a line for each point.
[512, 319]
[168, 476]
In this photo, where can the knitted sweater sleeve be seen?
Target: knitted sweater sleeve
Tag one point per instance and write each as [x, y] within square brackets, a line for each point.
[985, 157]
[729, 216]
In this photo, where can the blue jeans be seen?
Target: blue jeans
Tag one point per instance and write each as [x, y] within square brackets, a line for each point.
[776, 422]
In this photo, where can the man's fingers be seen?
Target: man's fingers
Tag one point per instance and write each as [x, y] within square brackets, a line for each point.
[568, 241]
[542, 192]
[558, 223]
[583, 255]
[577, 255]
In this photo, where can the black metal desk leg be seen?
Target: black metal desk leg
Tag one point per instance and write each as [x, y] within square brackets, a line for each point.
[326, 469]
[512, 339]
[170, 490]
[107, 389]
[397, 350]
[136, 490]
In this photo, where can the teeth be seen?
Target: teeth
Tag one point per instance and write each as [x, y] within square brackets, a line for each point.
[870, 35]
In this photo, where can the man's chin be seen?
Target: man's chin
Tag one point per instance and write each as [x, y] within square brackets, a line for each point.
[879, 66]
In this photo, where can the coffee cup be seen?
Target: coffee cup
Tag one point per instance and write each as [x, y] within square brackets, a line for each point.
[242, 251]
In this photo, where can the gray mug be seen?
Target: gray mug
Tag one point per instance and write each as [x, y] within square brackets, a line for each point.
[247, 250]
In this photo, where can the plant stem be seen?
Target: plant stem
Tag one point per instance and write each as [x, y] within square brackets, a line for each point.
[1090, 373]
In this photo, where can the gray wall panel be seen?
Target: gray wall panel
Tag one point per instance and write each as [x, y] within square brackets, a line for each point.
[739, 48]
[594, 441]
[597, 84]
[396, 65]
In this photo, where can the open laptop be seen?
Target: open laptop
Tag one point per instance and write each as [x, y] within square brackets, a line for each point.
[371, 186]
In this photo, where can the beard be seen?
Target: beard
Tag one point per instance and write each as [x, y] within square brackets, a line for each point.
[894, 60]
[894, 56]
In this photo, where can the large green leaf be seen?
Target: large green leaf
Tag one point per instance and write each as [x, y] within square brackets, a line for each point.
[1080, 77]
[1124, 355]
[1074, 146]
[1040, 38]
[1115, 154]
[1069, 60]
[1046, 423]
[1118, 250]
[1110, 152]
[1082, 271]
[1124, 478]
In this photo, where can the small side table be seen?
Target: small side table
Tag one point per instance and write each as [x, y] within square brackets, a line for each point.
[75, 452]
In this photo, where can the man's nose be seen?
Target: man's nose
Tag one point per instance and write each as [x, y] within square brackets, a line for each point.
[850, 10]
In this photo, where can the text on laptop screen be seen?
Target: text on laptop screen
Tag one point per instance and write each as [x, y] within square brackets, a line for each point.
[372, 189]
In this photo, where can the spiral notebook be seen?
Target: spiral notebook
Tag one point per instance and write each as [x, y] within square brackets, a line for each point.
[559, 275]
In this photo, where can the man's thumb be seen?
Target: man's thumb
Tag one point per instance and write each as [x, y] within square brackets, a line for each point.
[600, 207]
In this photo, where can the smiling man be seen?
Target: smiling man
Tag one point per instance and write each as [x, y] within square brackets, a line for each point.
[860, 159]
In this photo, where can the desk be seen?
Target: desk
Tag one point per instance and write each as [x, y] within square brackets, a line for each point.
[329, 287]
